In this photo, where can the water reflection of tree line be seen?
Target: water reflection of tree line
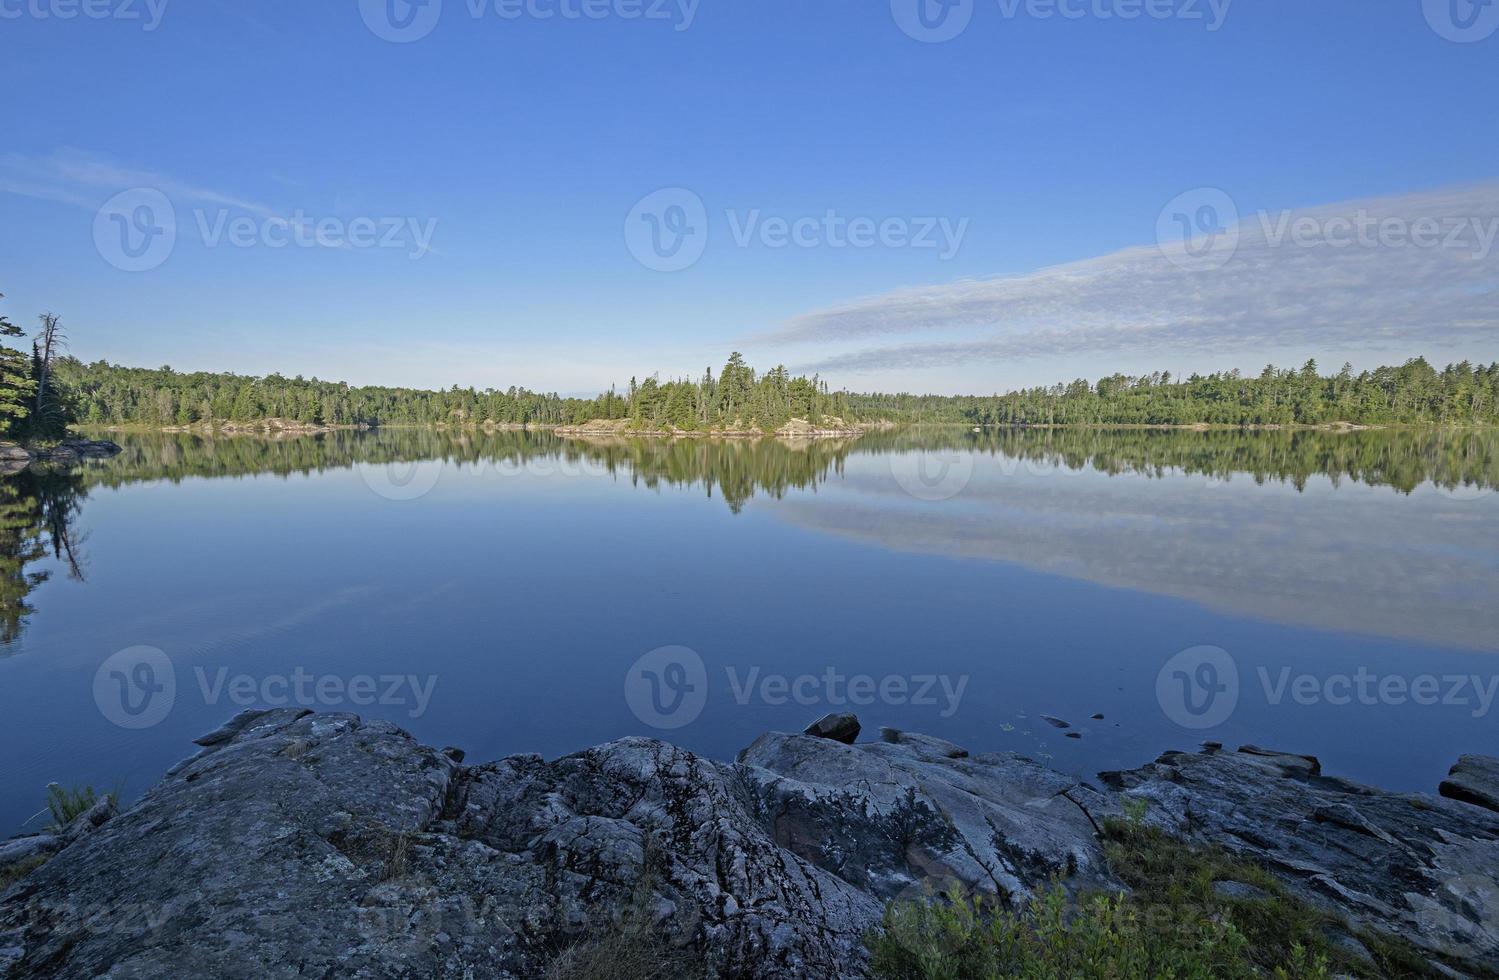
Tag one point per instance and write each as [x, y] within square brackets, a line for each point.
[1402, 459]
[1399, 458]
[38, 507]
[37, 513]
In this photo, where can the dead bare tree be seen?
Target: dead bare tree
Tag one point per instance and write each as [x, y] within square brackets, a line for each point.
[48, 343]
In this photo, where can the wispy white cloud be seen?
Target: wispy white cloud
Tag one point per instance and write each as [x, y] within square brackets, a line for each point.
[1361, 275]
[86, 180]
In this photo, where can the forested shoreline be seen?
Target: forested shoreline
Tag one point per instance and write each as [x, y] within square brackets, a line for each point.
[34, 405]
[738, 397]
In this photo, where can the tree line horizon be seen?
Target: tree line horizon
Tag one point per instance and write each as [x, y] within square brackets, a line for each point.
[41, 395]
[739, 397]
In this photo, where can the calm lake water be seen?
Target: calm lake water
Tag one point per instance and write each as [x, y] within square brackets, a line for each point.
[1324, 593]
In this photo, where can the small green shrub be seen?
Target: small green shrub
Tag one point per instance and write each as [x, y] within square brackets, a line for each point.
[1172, 924]
[67, 804]
[1135, 810]
[1102, 936]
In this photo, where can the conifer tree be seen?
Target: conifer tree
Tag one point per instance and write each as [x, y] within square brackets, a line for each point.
[16, 386]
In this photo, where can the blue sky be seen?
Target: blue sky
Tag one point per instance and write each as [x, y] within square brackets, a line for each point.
[523, 143]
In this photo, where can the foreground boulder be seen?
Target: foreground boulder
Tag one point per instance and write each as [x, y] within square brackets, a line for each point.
[1475, 779]
[323, 845]
[298, 845]
[1419, 867]
[912, 814]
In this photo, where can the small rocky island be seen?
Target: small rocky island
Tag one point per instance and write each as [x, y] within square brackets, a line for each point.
[15, 457]
[299, 844]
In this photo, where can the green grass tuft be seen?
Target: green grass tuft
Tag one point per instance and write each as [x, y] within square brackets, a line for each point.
[1172, 924]
[67, 804]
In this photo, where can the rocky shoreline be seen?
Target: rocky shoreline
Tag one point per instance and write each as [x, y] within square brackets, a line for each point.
[15, 457]
[300, 844]
[270, 426]
[793, 429]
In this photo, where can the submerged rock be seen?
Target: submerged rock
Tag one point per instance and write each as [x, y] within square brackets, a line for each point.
[1475, 779]
[297, 844]
[838, 727]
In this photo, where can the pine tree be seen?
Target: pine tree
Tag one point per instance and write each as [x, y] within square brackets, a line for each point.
[16, 386]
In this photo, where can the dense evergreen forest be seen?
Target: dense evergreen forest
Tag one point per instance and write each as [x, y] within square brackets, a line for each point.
[738, 396]
[1413, 393]
[33, 404]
